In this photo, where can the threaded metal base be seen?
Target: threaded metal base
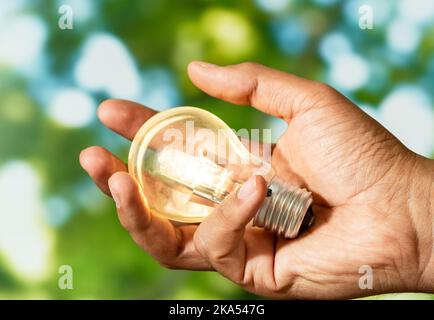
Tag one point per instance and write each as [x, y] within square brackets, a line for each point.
[285, 210]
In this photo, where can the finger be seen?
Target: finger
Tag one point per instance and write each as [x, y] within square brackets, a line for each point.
[172, 247]
[219, 237]
[274, 92]
[124, 117]
[101, 164]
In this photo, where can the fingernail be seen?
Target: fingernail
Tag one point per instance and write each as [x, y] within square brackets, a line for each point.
[247, 189]
[115, 197]
[205, 65]
[83, 160]
[116, 200]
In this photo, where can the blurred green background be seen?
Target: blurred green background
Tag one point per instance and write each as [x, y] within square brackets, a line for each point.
[51, 81]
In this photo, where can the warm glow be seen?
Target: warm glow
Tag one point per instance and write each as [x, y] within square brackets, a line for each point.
[25, 242]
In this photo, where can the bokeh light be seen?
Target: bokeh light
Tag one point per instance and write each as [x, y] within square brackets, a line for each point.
[229, 33]
[11, 8]
[382, 11]
[326, 3]
[273, 5]
[349, 71]
[17, 107]
[72, 108]
[334, 44]
[83, 10]
[159, 89]
[290, 35]
[25, 241]
[420, 11]
[407, 112]
[57, 211]
[403, 36]
[106, 65]
[22, 40]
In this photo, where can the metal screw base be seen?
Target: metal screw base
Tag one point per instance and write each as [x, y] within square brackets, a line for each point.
[286, 210]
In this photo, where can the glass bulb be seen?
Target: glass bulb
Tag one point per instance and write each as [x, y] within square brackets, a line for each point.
[186, 161]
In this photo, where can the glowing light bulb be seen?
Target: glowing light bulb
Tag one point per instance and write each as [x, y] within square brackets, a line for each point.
[187, 161]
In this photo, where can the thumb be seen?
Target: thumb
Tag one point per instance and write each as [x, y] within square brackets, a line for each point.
[219, 238]
[271, 91]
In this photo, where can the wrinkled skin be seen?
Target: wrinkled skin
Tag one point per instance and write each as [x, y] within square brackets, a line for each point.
[373, 197]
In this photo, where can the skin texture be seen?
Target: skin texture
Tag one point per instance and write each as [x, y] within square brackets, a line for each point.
[373, 197]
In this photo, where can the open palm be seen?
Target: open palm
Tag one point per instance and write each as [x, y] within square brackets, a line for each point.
[360, 175]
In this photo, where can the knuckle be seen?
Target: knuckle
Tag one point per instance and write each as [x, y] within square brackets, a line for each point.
[167, 263]
[249, 65]
[282, 289]
[125, 225]
[239, 280]
[322, 95]
[325, 90]
[216, 257]
[292, 287]
[165, 259]
[124, 222]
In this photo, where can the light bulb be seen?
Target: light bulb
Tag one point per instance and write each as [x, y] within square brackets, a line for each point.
[187, 160]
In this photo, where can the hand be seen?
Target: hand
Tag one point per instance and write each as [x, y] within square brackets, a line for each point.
[373, 197]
